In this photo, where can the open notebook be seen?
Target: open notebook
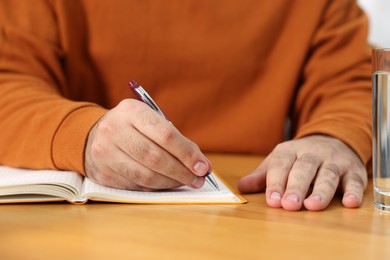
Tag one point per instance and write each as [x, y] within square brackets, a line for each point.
[22, 185]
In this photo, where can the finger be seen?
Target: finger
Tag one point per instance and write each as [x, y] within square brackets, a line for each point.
[255, 181]
[139, 177]
[149, 154]
[111, 178]
[325, 186]
[353, 185]
[114, 168]
[154, 126]
[278, 169]
[299, 180]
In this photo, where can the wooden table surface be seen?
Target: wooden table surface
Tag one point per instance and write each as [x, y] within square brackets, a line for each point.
[249, 231]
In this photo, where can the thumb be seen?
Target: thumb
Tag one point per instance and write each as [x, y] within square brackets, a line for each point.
[255, 181]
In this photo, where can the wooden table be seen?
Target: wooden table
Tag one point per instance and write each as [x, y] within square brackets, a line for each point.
[249, 231]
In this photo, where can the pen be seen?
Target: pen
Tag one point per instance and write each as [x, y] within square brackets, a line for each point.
[146, 98]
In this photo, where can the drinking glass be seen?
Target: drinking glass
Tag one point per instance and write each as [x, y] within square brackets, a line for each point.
[381, 127]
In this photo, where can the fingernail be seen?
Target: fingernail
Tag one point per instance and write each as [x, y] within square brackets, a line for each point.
[292, 197]
[275, 196]
[200, 168]
[198, 182]
[351, 196]
[315, 197]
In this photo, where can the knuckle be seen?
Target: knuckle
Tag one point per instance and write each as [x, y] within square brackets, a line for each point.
[147, 116]
[145, 180]
[133, 175]
[356, 181]
[332, 170]
[104, 127]
[127, 104]
[285, 146]
[307, 162]
[166, 133]
[281, 159]
[189, 153]
[278, 148]
[122, 169]
[145, 152]
[153, 158]
[327, 184]
[139, 111]
[98, 150]
[139, 148]
[126, 175]
[348, 164]
[301, 177]
[282, 151]
[308, 159]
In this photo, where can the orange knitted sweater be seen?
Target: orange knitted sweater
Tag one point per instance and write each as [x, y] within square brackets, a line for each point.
[227, 73]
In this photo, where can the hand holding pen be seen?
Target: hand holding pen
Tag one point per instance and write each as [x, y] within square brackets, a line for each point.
[147, 99]
[133, 147]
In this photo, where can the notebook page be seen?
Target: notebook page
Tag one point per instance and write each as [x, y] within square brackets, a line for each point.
[17, 180]
[206, 194]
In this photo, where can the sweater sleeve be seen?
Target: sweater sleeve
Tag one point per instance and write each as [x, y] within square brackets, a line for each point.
[40, 128]
[335, 97]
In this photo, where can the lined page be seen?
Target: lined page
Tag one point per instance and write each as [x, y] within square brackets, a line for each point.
[206, 194]
[22, 178]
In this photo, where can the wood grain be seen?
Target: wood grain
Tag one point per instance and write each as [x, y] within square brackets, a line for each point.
[249, 231]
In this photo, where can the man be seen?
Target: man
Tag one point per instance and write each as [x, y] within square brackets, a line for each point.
[227, 74]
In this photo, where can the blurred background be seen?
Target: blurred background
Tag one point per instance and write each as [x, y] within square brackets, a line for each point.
[378, 12]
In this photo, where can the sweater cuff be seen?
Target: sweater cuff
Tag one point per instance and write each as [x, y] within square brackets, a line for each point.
[70, 139]
[352, 134]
